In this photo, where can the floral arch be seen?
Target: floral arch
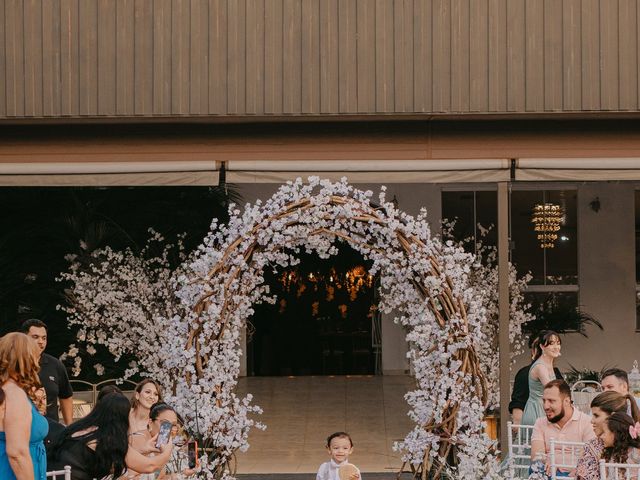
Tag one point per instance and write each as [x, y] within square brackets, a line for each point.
[424, 281]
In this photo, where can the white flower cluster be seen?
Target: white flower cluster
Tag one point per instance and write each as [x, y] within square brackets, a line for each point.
[194, 347]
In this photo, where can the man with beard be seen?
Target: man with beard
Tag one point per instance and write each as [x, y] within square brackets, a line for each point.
[561, 421]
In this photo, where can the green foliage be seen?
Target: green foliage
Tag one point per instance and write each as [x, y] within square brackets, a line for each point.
[575, 374]
[555, 312]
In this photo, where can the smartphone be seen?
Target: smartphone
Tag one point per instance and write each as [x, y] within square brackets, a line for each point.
[192, 453]
[163, 435]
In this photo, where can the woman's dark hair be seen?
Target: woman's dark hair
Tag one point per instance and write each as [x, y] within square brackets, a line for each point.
[111, 417]
[106, 390]
[544, 338]
[619, 424]
[1, 396]
[158, 408]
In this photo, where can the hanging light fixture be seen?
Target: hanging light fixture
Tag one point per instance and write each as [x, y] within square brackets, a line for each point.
[546, 219]
[352, 281]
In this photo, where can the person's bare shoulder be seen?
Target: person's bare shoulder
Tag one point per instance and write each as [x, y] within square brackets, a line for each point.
[12, 389]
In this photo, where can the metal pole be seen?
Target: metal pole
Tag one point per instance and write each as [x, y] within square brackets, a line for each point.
[503, 309]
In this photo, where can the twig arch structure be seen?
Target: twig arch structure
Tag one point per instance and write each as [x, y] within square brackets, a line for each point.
[423, 280]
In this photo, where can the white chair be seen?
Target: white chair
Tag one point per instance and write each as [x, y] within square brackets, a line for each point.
[564, 455]
[64, 474]
[519, 449]
[582, 392]
[619, 471]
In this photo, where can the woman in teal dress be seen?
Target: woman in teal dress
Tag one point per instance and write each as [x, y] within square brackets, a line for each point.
[22, 428]
[541, 372]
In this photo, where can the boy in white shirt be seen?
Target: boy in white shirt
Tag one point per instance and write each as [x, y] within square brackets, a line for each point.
[339, 446]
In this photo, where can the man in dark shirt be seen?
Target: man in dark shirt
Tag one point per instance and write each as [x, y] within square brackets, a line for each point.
[53, 374]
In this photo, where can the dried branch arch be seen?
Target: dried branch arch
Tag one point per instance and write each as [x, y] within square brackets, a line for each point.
[416, 278]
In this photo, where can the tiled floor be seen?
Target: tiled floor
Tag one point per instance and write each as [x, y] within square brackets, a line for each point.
[300, 412]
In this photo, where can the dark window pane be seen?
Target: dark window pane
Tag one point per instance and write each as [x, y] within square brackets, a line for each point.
[562, 260]
[637, 236]
[526, 253]
[549, 266]
[475, 215]
[458, 207]
[487, 217]
[557, 311]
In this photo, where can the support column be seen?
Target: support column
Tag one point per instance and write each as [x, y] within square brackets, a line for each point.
[503, 309]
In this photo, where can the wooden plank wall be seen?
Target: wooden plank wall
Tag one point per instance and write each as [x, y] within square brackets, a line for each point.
[165, 58]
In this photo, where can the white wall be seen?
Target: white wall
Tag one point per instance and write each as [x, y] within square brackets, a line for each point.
[606, 269]
[411, 198]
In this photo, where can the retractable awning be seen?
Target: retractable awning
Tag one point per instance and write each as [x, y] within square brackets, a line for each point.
[207, 172]
[121, 173]
[370, 171]
[577, 169]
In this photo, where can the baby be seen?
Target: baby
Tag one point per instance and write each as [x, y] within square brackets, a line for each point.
[339, 446]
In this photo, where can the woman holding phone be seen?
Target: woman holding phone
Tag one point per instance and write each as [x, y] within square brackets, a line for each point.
[163, 427]
[96, 446]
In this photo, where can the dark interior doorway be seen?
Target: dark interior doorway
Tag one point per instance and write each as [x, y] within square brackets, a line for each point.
[324, 320]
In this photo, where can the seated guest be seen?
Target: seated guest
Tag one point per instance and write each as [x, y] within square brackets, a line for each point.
[520, 392]
[96, 446]
[602, 406]
[561, 421]
[616, 380]
[106, 390]
[621, 439]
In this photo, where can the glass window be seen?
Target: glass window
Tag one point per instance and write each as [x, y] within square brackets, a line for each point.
[557, 264]
[637, 260]
[475, 215]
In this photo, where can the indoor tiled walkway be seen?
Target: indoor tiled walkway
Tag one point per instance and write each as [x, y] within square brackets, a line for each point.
[301, 411]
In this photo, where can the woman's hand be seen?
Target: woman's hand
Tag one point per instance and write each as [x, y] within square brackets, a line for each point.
[149, 446]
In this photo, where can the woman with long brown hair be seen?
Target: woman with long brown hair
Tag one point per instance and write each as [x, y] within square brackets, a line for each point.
[547, 347]
[602, 407]
[22, 427]
[146, 394]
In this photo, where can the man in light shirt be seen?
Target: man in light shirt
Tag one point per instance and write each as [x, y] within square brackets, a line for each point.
[561, 421]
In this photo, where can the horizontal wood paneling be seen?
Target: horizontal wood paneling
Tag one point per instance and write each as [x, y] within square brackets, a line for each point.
[146, 58]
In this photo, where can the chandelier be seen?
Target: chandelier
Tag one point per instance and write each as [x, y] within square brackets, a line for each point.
[546, 219]
[352, 281]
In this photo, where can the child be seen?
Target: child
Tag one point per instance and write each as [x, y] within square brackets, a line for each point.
[339, 446]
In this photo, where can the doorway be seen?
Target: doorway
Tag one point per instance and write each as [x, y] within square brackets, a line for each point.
[324, 320]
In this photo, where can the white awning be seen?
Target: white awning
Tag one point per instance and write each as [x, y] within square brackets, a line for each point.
[67, 174]
[370, 171]
[577, 169]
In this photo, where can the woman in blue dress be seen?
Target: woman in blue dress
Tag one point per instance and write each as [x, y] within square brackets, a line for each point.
[22, 428]
[541, 372]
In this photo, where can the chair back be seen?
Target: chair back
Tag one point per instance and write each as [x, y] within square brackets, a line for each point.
[64, 474]
[564, 456]
[519, 438]
[582, 392]
[619, 471]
